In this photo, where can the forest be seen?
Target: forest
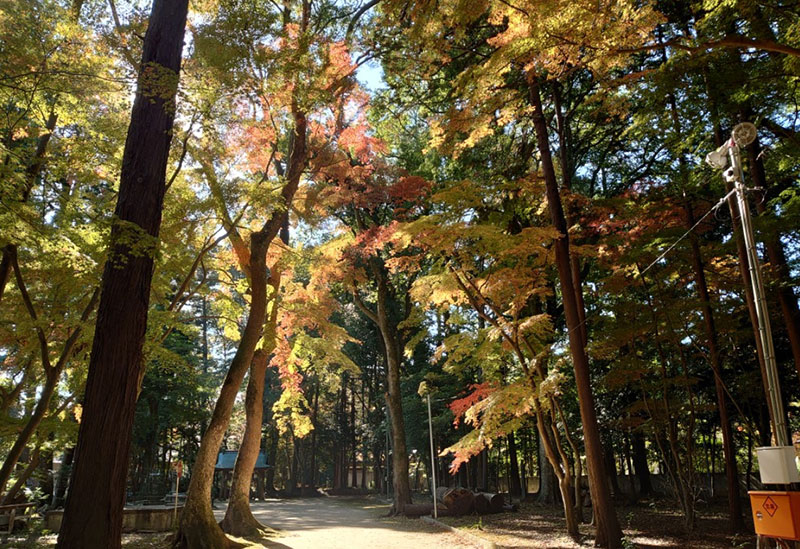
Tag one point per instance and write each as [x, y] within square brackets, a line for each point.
[370, 247]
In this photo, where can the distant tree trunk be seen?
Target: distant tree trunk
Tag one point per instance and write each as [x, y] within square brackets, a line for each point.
[394, 398]
[640, 464]
[353, 445]
[311, 479]
[239, 520]
[547, 493]
[483, 470]
[377, 467]
[294, 469]
[514, 486]
[608, 533]
[273, 462]
[93, 514]
[363, 439]
[60, 484]
[611, 470]
[734, 503]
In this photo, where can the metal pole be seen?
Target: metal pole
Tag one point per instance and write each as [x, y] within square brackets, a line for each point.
[764, 328]
[433, 459]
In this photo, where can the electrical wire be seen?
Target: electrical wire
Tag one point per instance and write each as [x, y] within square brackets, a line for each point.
[663, 254]
[713, 209]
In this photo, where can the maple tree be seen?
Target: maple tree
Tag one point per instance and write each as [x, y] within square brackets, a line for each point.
[500, 205]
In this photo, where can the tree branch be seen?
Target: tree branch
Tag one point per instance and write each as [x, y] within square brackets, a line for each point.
[369, 313]
[123, 41]
[26, 299]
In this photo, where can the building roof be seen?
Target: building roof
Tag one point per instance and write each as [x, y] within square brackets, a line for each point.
[227, 458]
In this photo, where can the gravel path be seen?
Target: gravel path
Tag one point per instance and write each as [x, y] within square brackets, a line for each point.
[347, 523]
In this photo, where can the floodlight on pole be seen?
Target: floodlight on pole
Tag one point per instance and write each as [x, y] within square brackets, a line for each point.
[741, 136]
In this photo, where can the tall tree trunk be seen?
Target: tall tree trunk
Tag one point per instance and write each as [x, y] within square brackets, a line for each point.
[198, 528]
[609, 533]
[239, 520]
[734, 503]
[394, 399]
[777, 258]
[93, 514]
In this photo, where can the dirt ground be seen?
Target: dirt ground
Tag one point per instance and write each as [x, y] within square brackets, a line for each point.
[347, 523]
[646, 526]
[360, 523]
[314, 523]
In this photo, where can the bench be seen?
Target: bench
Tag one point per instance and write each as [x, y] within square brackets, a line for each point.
[18, 512]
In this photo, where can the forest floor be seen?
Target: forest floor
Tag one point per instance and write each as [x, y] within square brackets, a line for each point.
[312, 523]
[652, 525]
[361, 523]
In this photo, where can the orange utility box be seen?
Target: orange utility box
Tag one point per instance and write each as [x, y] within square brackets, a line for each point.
[776, 514]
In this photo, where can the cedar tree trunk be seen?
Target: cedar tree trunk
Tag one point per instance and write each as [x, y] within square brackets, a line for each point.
[93, 514]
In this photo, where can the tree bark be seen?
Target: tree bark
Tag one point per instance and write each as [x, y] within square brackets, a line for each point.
[640, 464]
[547, 493]
[198, 528]
[609, 533]
[93, 514]
[734, 503]
[777, 258]
[394, 399]
[239, 520]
